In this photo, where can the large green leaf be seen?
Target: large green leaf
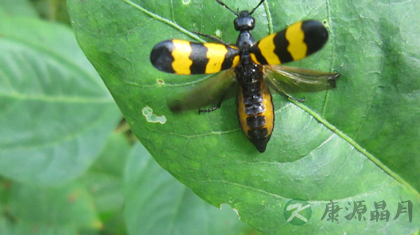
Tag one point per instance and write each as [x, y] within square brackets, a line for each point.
[55, 113]
[357, 142]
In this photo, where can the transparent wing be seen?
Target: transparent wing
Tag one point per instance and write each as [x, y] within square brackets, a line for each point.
[211, 91]
[286, 79]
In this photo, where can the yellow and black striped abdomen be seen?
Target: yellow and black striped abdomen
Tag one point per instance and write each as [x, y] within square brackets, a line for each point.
[294, 43]
[256, 114]
[184, 57]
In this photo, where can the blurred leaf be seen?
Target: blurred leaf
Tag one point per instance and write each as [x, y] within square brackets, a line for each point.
[5, 228]
[88, 205]
[45, 210]
[104, 181]
[55, 114]
[6, 219]
[53, 10]
[357, 142]
[17, 8]
[157, 204]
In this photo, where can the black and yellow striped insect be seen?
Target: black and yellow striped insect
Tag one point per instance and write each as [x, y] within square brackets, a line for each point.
[255, 66]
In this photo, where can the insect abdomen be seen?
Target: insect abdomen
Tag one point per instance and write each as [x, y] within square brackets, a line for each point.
[255, 111]
[184, 57]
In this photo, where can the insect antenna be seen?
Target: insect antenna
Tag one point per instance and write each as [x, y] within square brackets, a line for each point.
[221, 3]
[256, 7]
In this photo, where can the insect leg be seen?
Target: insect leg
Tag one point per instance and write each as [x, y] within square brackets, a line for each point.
[210, 109]
[281, 91]
[215, 39]
[296, 99]
[220, 102]
[289, 96]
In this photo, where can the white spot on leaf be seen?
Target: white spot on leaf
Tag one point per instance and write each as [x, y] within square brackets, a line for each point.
[150, 117]
[218, 33]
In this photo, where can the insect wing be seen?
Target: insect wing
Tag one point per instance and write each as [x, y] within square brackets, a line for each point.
[184, 57]
[211, 91]
[296, 42]
[286, 79]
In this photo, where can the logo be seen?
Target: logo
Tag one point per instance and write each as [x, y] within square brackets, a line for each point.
[297, 212]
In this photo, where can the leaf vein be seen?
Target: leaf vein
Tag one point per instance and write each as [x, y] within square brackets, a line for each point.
[166, 21]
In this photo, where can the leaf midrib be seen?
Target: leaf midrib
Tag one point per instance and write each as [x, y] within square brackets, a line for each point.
[356, 146]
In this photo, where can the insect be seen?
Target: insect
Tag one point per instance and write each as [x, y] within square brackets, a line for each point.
[250, 67]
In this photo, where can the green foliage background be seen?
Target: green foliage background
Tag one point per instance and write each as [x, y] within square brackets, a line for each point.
[65, 171]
